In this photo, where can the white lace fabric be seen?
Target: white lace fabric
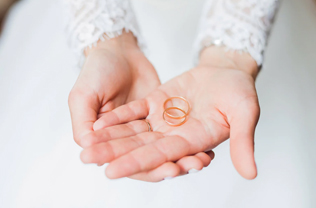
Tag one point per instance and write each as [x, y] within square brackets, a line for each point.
[241, 25]
[92, 20]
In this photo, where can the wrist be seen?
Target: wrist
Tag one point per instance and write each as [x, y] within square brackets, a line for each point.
[122, 43]
[220, 57]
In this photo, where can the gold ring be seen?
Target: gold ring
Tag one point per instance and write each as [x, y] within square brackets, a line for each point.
[185, 112]
[148, 124]
[172, 124]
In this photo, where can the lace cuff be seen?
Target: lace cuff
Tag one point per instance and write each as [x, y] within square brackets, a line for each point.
[92, 20]
[241, 25]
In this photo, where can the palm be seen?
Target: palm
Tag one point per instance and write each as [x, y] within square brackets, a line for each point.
[198, 131]
[111, 77]
[224, 103]
[214, 95]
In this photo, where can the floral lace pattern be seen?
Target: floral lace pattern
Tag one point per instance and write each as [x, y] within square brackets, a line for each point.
[92, 20]
[241, 25]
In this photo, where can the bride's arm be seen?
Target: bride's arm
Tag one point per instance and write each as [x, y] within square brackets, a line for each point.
[90, 22]
[237, 25]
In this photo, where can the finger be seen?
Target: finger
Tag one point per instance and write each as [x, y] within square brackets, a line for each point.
[132, 111]
[195, 163]
[188, 164]
[242, 130]
[114, 132]
[83, 109]
[206, 157]
[107, 151]
[166, 170]
[149, 157]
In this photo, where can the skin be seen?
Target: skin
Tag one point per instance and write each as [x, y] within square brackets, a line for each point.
[221, 90]
[116, 72]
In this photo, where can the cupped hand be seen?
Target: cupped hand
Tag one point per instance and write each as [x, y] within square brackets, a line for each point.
[114, 73]
[224, 103]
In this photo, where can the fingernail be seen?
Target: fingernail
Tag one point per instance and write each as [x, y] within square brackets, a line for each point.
[193, 171]
[168, 178]
[97, 127]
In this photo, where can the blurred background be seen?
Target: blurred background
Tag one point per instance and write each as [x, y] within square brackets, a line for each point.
[5, 6]
[39, 162]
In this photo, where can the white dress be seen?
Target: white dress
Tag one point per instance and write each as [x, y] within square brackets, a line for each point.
[40, 164]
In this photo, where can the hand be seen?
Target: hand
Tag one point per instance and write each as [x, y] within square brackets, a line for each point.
[224, 103]
[117, 72]
[114, 73]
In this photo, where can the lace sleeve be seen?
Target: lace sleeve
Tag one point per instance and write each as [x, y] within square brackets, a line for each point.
[241, 25]
[89, 21]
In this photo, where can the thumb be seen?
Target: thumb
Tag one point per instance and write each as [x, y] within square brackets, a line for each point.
[84, 109]
[242, 130]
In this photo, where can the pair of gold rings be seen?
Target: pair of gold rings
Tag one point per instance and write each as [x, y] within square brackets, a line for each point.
[177, 106]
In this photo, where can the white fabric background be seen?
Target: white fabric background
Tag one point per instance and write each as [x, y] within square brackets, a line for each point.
[39, 161]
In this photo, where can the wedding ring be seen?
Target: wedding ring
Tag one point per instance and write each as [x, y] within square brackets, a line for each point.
[173, 124]
[185, 112]
[148, 124]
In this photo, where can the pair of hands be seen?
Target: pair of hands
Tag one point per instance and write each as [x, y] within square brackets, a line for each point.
[118, 88]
